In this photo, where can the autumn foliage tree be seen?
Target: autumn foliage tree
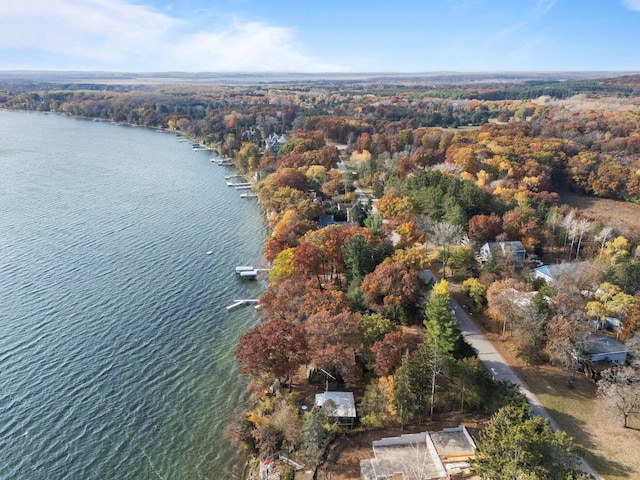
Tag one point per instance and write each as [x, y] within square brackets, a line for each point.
[566, 340]
[609, 299]
[330, 242]
[308, 261]
[284, 299]
[414, 258]
[334, 342]
[296, 298]
[477, 291]
[286, 234]
[388, 352]
[395, 207]
[274, 348]
[409, 235]
[484, 228]
[282, 265]
[391, 289]
[500, 302]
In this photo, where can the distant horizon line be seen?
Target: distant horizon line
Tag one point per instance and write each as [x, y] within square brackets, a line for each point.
[241, 72]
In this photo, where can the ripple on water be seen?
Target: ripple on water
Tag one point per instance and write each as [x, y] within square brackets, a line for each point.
[116, 350]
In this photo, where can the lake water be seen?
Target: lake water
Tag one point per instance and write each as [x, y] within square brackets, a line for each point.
[116, 349]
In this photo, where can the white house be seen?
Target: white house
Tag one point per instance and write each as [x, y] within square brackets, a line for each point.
[513, 252]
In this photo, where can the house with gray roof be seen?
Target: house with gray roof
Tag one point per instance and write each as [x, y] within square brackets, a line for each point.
[603, 348]
[512, 252]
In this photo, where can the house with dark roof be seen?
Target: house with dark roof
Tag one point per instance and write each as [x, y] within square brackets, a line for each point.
[603, 348]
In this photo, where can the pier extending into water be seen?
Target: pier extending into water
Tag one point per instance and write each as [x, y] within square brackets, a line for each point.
[247, 271]
[243, 301]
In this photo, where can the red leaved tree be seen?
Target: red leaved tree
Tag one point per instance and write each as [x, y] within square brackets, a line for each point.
[388, 352]
[276, 348]
[334, 341]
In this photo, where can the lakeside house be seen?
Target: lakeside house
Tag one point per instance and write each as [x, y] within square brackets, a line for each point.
[341, 406]
[513, 252]
[274, 141]
[425, 456]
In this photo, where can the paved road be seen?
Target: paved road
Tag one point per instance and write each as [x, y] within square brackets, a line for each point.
[500, 370]
[360, 195]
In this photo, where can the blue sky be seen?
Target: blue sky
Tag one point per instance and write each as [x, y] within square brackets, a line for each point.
[320, 35]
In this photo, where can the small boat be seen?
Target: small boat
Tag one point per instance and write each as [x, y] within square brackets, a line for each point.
[209, 252]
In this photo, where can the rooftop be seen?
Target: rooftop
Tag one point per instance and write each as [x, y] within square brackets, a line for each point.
[513, 245]
[557, 269]
[452, 442]
[603, 344]
[345, 405]
[419, 456]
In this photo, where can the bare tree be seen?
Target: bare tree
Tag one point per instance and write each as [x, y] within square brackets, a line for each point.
[500, 302]
[567, 223]
[620, 388]
[418, 464]
[573, 232]
[566, 337]
[446, 235]
[603, 236]
[582, 226]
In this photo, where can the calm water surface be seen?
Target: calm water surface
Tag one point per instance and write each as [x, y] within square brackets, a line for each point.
[116, 349]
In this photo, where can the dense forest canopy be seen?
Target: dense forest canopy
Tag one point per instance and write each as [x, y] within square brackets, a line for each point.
[452, 163]
[535, 136]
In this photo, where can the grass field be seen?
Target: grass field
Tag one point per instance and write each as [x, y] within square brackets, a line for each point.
[623, 216]
[613, 451]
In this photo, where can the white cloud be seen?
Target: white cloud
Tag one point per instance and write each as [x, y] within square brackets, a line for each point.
[544, 6]
[116, 35]
[245, 46]
[97, 30]
[632, 5]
